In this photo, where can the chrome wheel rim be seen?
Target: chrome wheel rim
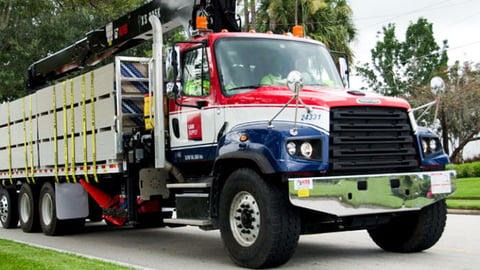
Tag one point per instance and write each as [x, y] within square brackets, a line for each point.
[47, 209]
[25, 208]
[245, 218]
[3, 208]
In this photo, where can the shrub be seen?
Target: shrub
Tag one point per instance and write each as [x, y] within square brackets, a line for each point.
[466, 169]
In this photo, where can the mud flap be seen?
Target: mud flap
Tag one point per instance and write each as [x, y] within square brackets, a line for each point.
[71, 201]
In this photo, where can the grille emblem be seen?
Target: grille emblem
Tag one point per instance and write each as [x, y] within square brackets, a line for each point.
[368, 101]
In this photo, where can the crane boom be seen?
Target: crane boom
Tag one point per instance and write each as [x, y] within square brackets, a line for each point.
[126, 32]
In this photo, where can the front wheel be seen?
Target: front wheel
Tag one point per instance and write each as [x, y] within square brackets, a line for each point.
[8, 208]
[259, 227]
[412, 232]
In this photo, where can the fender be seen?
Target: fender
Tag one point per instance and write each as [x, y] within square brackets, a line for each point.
[430, 157]
[266, 147]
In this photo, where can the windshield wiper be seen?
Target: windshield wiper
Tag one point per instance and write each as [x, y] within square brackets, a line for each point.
[245, 87]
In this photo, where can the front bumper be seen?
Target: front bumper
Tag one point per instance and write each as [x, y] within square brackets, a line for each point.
[371, 194]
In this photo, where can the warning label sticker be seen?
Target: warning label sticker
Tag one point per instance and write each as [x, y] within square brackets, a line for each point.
[440, 183]
[303, 184]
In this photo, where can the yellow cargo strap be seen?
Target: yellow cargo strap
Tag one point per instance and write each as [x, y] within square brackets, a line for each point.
[9, 147]
[32, 160]
[72, 137]
[94, 140]
[25, 148]
[65, 131]
[55, 142]
[84, 129]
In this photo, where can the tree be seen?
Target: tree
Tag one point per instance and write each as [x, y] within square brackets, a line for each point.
[461, 107]
[400, 68]
[458, 117]
[329, 21]
[406, 68]
[30, 29]
[249, 15]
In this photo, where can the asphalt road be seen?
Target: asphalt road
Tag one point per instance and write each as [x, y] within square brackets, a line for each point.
[192, 248]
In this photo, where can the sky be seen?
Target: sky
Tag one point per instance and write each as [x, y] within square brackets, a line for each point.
[457, 21]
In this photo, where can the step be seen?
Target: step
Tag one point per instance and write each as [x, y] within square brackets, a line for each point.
[183, 221]
[189, 185]
[140, 96]
[134, 79]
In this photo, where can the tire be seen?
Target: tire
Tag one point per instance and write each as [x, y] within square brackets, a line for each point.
[49, 222]
[27, 209]
[8, 208]
[412, 232]
[258, 225]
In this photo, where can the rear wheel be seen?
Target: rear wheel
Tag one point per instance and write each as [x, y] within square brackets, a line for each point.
[49, 222]
[412, 232]
[27, 208]
[8, 208]
[259, 227]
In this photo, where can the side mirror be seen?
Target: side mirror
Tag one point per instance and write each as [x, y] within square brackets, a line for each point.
[438, 85]
[343, 69]
[172, 69]
[295, 81]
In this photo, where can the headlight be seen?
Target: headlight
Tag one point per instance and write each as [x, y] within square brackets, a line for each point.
[431, 146]
[291, 148]
[424, 146]
[306, 149]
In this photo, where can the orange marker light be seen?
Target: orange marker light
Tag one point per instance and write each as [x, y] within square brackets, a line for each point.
[243, 138]
[297, 31]
[201, 22]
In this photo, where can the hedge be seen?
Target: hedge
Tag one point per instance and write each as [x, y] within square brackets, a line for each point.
[466, 169]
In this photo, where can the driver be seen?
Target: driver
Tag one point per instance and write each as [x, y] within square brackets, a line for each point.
[275, 77]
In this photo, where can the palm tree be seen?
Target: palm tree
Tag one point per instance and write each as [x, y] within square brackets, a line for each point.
[333, 26]
[329, 21]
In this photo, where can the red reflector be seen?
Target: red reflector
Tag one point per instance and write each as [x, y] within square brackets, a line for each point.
[122, 30]
[433, 167]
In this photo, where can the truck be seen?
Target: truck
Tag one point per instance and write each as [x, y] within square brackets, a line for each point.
[254, 134]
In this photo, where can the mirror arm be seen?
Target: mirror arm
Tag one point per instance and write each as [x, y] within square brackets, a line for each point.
[199, 106]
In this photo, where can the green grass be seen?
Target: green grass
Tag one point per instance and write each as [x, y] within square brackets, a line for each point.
[467, 188]
[464, 204]
[19, 256]
[467, 195]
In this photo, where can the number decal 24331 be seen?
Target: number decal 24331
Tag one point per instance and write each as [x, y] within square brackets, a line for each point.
[310, 117]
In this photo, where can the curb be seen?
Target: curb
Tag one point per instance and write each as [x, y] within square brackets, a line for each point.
[463, 212]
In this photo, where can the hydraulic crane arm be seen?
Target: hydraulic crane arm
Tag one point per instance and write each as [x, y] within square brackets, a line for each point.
[221, 14]
[129, 31]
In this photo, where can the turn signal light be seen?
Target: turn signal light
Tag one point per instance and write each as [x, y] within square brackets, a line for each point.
[297, 31]
[201, 22]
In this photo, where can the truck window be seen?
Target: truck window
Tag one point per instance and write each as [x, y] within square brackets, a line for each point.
[245, 64]
[196, 80]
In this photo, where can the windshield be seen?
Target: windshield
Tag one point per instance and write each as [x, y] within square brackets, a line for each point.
[245, 64]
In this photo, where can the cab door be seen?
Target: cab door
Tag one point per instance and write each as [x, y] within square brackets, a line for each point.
[192, 116]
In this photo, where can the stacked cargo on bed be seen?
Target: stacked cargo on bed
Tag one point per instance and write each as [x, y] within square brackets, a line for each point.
[71, 127]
